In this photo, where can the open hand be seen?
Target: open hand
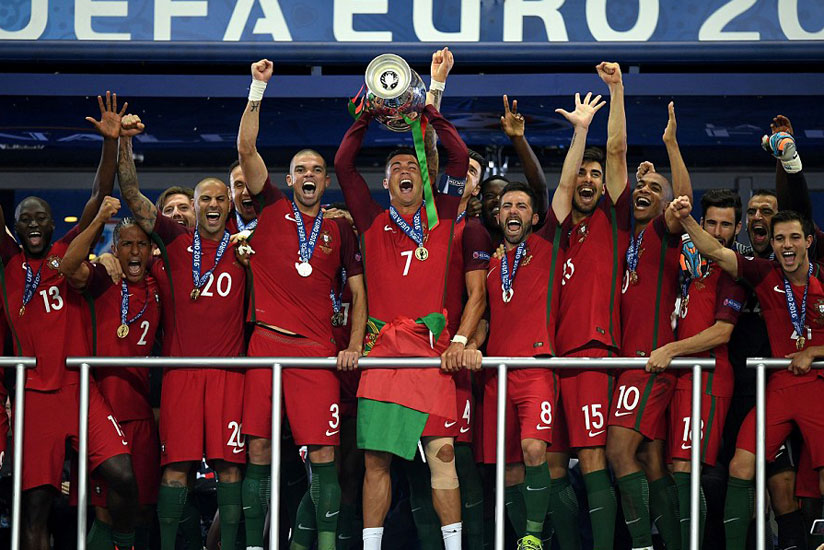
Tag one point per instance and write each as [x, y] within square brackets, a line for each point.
[581, 117]
[109, 123]
[669, 131]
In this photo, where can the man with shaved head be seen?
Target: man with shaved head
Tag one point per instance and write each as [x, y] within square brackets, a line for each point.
[46, 322]
[207, 284]
[294, 307]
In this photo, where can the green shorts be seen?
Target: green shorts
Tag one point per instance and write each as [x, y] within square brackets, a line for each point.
[389, 427]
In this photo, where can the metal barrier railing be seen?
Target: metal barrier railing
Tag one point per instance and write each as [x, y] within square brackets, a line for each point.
[277, 364]
[20, 365]
[761, 365]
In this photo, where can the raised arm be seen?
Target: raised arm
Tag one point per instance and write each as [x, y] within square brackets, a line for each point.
[580, 119]
[707, 245]
[254, 169]
[143, 210]
[442, 62]
[355, 189]
[616, 170]
[681, 185]
[790, 183]
[73, 266]
[109, 128]
[512, 123]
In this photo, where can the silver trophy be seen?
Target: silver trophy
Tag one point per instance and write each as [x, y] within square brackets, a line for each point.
[394, 90]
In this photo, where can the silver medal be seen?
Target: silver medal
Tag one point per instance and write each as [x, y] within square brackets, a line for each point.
[304, 269]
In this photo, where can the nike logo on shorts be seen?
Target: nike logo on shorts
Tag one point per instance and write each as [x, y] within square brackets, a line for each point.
[388, 228]
[238, 450]
[622, 414]
[528, 488]
[302, 528]
[593, 510]
[332, 514]
[473, 504]
[596, 434]
[685, 447]
[539, 427]
[464, 430]
[330, 434]
[449, 424]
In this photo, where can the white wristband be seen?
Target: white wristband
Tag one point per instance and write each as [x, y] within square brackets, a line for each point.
[436, 85]
[458, 339]
[256, 89]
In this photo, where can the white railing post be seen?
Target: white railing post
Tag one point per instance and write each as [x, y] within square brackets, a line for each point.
[17, 458]
[274, 471]
[83, 458]
[760, 456]
[500, 459]
[695, 459]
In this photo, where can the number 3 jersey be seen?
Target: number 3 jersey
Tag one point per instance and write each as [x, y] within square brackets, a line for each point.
[54, 324]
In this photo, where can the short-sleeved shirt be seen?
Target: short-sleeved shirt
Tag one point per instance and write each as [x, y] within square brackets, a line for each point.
[593, 269]
[281, 297]
[648, 307]
[714, 297]
[471, 250]
[525, 326]
[54, 325]
[126, 389]
[212, 325]
[767, 277]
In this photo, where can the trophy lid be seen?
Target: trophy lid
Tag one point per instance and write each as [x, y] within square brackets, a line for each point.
[388, 76]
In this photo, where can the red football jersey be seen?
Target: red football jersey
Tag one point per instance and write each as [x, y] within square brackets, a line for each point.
[591, 284]
[525, 326]
[714, 297]
[126, 389]
[212, 325]
[767, 277]
[50, 328]
[281, 297]
[648, 306]
[471, 250]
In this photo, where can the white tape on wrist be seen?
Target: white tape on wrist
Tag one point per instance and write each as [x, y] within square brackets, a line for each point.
[256, 89]
[436, 85]
[459, 339]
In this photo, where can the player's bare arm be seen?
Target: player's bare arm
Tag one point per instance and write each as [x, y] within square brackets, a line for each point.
[580, 119]
[513, 124]
[803, 360]
[143, 210]
[709, 338]
[442, 62]
[109, 127]
[680, 176]
[254, 169]
[679, 209]
[112, 266]
[616, 170]
[348, 358]
[454, 358]
[74, 266]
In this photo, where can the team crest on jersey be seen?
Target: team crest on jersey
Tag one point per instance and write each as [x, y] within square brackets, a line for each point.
[53, 262]
[325, 243]
[818, 320]
[526, 260]
[583, 231]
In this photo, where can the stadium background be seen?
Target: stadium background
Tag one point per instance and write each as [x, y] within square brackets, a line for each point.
[729, 65]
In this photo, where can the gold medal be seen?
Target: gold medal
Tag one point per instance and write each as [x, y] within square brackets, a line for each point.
[337, 319]
[633, 277]
[22, 310]
[421, 253]
[195, 294]
[799, 344]
[123, 331]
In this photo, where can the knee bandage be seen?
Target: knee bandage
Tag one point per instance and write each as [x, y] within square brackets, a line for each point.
[443, 473]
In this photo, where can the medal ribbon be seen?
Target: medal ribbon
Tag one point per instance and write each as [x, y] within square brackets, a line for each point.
[461, 216]
[337, 301]
[798, 319]
[506, 279]
[198, 279]
[32, 282]
[418, 129]
[307, 246]
[416, 233]
[124, 305]
[632, 251]
[244, 226]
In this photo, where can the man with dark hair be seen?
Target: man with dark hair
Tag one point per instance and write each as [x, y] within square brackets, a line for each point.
[127, 314]
[709, 306]
[48, 324]
[299, 255]
[589, 323]
[790, 289]
[638, 416]
[529, 272]
[244, 216]
[178, 203]
[206, 281]
[491, 189]
[406, 247]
